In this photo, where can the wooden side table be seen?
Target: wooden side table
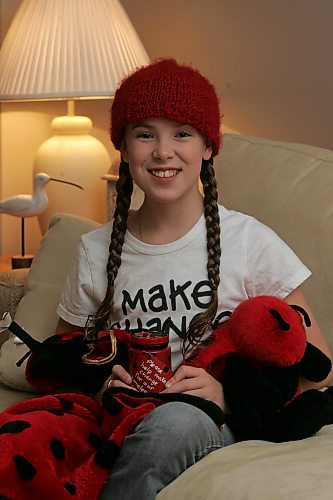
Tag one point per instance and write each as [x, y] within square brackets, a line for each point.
[8, 262]
[5, 262]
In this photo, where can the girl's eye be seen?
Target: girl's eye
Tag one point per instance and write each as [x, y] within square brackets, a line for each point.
[144, 135]
[183, 133]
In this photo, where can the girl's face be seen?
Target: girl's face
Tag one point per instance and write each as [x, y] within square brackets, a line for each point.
[165, 158]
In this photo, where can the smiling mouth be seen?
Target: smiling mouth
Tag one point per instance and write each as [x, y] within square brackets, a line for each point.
[164, 173]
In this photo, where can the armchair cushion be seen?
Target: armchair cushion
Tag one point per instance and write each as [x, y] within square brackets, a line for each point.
[11, 292]
[36, 312]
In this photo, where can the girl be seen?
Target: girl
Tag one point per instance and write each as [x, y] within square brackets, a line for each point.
[172, 265]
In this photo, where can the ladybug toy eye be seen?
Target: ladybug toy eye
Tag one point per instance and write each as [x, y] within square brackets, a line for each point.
[283, 325]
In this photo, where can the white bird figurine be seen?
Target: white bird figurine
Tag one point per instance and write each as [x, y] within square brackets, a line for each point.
[26, 205]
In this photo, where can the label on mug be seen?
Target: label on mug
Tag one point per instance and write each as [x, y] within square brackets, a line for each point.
[150, 373]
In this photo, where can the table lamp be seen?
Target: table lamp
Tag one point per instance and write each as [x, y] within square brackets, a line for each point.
[69, 50]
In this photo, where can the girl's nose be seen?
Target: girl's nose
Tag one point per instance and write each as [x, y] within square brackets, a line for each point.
[162, 152]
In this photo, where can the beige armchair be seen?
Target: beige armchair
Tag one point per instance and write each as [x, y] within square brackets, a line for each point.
[288, 187]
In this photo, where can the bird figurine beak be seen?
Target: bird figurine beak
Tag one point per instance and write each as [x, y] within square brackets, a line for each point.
[67, 182]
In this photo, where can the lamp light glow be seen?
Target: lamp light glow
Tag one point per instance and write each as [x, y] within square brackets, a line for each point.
[70, 50]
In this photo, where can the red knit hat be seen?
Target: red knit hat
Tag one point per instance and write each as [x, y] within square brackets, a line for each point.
[165, 89]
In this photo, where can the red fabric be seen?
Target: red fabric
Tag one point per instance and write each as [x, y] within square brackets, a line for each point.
[55, 446]
[49, 446]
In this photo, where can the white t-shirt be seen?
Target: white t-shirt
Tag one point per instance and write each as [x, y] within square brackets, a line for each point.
[166, 285]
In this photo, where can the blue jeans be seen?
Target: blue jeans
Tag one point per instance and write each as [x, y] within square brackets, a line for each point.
[167, 442]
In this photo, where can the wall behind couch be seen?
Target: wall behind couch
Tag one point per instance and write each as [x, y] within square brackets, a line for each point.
[269, 60]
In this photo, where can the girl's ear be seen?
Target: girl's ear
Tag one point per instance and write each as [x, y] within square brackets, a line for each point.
[207, 153]
[123, 151]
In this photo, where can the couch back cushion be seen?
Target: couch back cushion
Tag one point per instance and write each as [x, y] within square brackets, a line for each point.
[288, 187]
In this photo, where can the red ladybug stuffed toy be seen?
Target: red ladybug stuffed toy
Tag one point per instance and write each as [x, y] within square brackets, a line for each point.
[259, 355]
[65, 445]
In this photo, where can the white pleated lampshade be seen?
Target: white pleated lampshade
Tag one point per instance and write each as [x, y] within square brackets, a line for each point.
[65, 49]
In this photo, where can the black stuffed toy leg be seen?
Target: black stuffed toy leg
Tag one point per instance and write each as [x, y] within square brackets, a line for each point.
[251, 395]
[264, 403]
[301, 418]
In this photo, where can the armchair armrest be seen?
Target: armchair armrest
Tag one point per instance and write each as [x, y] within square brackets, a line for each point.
[11, 291]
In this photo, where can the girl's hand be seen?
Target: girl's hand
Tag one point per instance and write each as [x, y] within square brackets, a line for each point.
[197, 382]
[119, 378]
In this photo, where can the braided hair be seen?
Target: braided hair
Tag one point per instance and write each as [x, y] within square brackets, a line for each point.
[124, 188]
[199, 323]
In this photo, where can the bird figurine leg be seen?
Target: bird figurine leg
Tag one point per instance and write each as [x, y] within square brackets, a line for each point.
[23, 260]
[22, 237]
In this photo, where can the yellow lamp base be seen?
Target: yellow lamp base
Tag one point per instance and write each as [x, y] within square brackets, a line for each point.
[72, 154]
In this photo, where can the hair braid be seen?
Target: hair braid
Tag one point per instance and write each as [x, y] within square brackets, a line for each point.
[124, 188]
[201, 322]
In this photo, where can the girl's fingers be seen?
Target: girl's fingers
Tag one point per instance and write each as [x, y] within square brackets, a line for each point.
[196, 382]
[121, 375]
[119, 378]
[179, 387]
[187, 384]
[185, 373]
[119, 383]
